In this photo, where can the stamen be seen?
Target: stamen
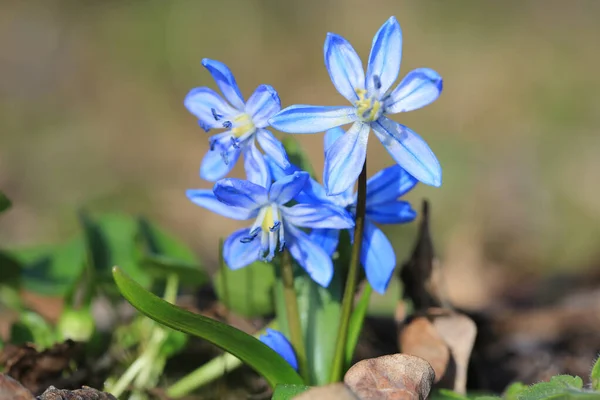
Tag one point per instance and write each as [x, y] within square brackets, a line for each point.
[227, 124]
[204, 126]
[225, 157]
[377, 82]
[275, 227]
[213, 144]
[254, 232]
[247, 239]
[215, 115]
[235, 143]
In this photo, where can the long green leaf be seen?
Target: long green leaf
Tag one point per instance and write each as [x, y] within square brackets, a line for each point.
[287, 392]
[245, 347]
[356, 322]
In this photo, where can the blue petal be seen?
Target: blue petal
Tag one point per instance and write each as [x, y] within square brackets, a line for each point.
[331, 136]
[309, 255]
[385, 57]
[419, 88]
[389, 184]
[409, 150]
[312, 119]
[345, 158]
[226, 82]
[273, 148]
[392, 212]
[207, 199]
[285, 189]
[238, 254]
[344, 66]
[239, 193]
[276, 341]
[318, 216]
[202, 101]
[377, 257]
[256, 167]
[327, 239]
[213, 165]
[277, 172]
[262, 105]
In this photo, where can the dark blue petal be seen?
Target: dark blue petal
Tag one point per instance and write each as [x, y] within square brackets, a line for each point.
[385, 57]
[273, 147]
[238, 254]
[256, 167]
[318, 216]
[239, 193]
[202, 101]
[392, 212]
[315, 261]
[389, 184]
[285, 189]
[345, 158]
[377, 257]
[409, 150]
[213, 165]
[419, 88]
[226, 82]
[207, 199]
[327, 239]
[344, 66]
[262, 105]
[275, 340]
[312, 119]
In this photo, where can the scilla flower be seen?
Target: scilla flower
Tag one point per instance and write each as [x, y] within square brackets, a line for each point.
[279, 343]
[243, 122]
[372, 97]
[275, 224]
[383, 207]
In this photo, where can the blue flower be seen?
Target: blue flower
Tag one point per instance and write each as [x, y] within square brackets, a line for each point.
[372, 98]
[243, 122]
[383, 207]
[276, 341]
[274, 223]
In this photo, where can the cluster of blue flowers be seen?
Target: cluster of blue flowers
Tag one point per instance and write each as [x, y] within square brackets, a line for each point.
[291, 209]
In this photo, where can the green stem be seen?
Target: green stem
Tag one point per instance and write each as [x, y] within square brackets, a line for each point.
[293, 316]
[351, 281]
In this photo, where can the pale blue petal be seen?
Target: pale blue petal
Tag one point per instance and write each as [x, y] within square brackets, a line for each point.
[385, 57]
[377, 257]
[226, 82]
[409, 150]
[238, 254]
[389, 184]
[273, 148]
[318, 216]
[344, 66]
[345, 158]
[312, 119]
[262, 105]
[286, 188]
[202, 101]
[206, 198]
[315, 261]
[277, 172]
[256, 167]
[331, 136]
[213, 165]
[276, 341]
[392, 212]
[240, 193]
[419, 88]
[327, 239]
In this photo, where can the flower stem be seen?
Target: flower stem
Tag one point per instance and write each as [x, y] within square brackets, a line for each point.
[351, 281]
[293, 316]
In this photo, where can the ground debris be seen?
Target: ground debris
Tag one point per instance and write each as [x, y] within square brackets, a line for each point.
[85, 393]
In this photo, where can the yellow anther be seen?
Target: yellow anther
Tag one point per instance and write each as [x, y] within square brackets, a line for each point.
[367, 109]
[243, 125]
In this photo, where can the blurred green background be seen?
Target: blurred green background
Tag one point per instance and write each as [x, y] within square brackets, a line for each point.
[91, 115]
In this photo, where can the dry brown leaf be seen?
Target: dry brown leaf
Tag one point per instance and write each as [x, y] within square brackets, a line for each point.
[391, 377]
[11, 389]
[420, 338]
[337, 391]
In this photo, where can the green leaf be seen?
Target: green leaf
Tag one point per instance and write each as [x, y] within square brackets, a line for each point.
[248, 349]
[32, 327]
[5, 202]
[513, 390]
[356, 322]
[595, 375]
[246, 291]
[287, 392]
[11, 270]
[51, 270]
[447, 394]
[296, 155]
[559, 387]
